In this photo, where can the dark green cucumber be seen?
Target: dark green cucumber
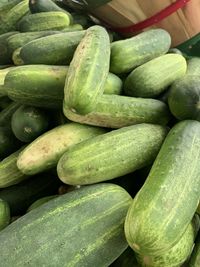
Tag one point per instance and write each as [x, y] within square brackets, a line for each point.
[82, 19]
[128, 149]
[115, 111]
[40, 202]
[155, 76]
[6, 114]
[5, 58]
[44, 21]
[9, 173]
[4, 214]
[132, 52]
[80, 228]
[4, 102]
[29, 122]
[52, 50]
[165, 205]
[44, 152]
[195, 257]
[126, 259]
[88, 71]
[22, 195]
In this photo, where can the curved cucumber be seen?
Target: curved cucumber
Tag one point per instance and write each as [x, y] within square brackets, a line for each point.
[40, 202]
[153, 77]
[135, 51]
[195, 257]
[128, 149]
[88, 71]
[159, 215]
[4, 214]
[44, 152]
[95, 214]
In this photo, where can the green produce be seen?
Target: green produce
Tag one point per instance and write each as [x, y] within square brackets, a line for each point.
[126, 259]
[135, 51]
[165, 205]
[40, 202]
[195, 257]
[155, 76]
[5, 102]
[6, 114]
[95, 214]
[4, 56]
[113, 85]
[4, 66]
[127, 149]
[193, 66]
[4, 214]
[44, 152]
[88, 71]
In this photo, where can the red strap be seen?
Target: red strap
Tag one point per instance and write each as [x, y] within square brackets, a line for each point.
[154, 19]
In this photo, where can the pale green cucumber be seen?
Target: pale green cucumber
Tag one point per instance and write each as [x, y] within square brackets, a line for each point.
[154, 77]
[115, 111]
[44, 152]
[193, 66]
[4, 214]
[88, 71]
[127, 149]
[113, 85]
[132, 52]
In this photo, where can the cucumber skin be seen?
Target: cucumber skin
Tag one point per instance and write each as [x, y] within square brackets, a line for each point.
[163, 227]
[132, 52]
[4, 214]
[195, 257]
[44, 153]
[152, 78]
[88, 72]
[40, 202]
[5, 58]
[102, 205]
[134, 147]
[6, 114]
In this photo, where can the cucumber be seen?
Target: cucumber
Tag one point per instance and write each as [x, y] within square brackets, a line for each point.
[134, 147]
[5, 58]
[44, 21]
[5, 102]
[175, 256]
[52, 50]
[126, 259]
[115, 111]
[4, 214]
[40, 202]
[29, 122]
[3, 73]
[46, 150]
[135, 51]
[95, 214]
[6, 114]
[195, 257]
[158, 215]
[4, 66]
[113, 85]
[82, 19]
[193, 66]
[22, 195]
[88, 71]
[154, 77]
[9, 173]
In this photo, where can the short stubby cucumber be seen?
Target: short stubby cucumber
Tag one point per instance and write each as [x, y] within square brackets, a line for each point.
[155, 76]
[115, 111]
[88, 71]
[4, 214]
[87, 230]
[44, 152]
[132, 52]
[128, 149]
[166, 203]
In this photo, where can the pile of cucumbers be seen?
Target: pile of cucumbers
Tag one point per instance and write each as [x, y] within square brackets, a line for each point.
[99, 143]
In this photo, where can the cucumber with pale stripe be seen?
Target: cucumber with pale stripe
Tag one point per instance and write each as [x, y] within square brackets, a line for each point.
[165, 205]
[44, 153]
[4, 214]
[87, 230]
[128, 149]
[88, 71]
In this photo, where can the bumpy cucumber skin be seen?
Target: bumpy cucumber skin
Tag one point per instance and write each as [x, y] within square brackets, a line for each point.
[115, 111]
[88, 71]
[4, 214]
[132, 52]
[165, 205]
[52, 50]
[44, 152]
[113, 85]
[128, 149]
[94, 213]
[195, 257]
[153, 77]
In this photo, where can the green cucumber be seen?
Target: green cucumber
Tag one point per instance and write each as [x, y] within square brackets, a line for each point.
[113, 85]
[22, 195]
[193, 66]
[3, 73]
[195, 257]
[44, 21]
[4, 102]
[154, 77]
[52, 50]
[6, 114]
[4, 66]
[164, 206]
[135, 51]
[126, 259]
[80, 228]
[128, 149]
[115, 111]
[4, 214]
[5, 58]
[88, 71]
[46, 150]
[40, 202]
[82, 19]
[28, 123]
[9, 173]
